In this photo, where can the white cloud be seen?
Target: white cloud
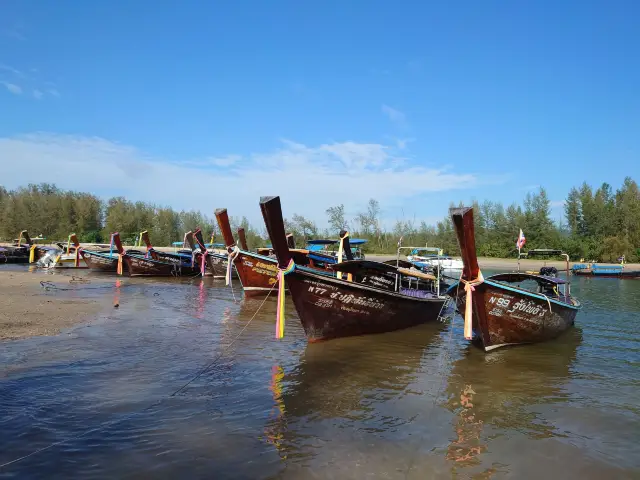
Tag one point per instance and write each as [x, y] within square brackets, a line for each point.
[308, 178]
[13, 88]
[396, 116]
[37, 94]
[54, 92]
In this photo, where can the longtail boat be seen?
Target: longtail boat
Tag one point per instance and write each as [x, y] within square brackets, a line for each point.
[370, 300]
[178, 258]
[107, 261]
[216, 263]
[27, 252]
[499, 309]
[257, 271]
[65, 256]
[605, 271]
[146, 265]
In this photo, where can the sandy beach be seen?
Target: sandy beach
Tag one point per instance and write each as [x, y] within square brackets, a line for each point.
[27, 310]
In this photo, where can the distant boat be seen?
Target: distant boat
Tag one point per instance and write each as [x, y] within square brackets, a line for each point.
[64, 256]
[431, 257]
[605, 271]
[499, 309]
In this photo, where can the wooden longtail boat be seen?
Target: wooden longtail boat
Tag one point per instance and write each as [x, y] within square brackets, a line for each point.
[139, 265]
[216, 263]
[103, 261]
[27, 252]
[364, 303]
[65, 256]
[178, 258]
[257, 272]
[498, 309]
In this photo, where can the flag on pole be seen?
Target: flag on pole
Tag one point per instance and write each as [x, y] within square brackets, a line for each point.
[521, 240]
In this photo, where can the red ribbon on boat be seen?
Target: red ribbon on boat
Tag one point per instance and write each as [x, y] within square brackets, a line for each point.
[469, 287]
[119, 268]
[280, 311]
[203, 263]
[76, 263]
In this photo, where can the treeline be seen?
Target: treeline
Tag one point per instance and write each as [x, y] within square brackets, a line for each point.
[598, 224]
[54, 213]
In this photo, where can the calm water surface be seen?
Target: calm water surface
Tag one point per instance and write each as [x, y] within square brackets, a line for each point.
[419, 403]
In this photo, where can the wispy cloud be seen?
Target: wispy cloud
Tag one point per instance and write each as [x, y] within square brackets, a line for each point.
[13, 88]
[396, 116]
[16, 81]
[348, 172]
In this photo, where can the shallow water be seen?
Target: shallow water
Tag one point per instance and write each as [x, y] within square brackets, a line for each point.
[419, 403]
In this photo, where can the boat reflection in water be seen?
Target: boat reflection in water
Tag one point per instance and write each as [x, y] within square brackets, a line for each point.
[494, 398]
[349, 384]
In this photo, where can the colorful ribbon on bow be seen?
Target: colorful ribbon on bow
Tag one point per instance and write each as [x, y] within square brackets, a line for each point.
[119, 268]
[77, 260]
[340, 253]
[280, 312]
[203, 263]
[469, 287]
[232, 256]
[32, 253]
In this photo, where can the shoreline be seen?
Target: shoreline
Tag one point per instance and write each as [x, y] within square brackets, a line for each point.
[26, 310]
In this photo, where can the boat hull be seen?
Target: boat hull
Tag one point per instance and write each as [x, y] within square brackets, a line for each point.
[257, 274]
[631, 274]
[504, 316]
[217, 265]
[140, 266]
[100, 262]
[332, 308]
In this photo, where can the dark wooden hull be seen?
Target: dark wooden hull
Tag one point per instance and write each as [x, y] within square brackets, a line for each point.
[631, 274]
[257, 274]
[14, 255]
[505, 316]
[140, 266]
[101, 262]
[331, 308]
[216, 265]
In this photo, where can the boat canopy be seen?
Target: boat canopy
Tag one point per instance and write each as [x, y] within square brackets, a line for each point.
[544, 252]
[358, 266]
[177, 244]
[432, 251]
[520, 277]
[215, 245]
[357, 241]
[320, 241]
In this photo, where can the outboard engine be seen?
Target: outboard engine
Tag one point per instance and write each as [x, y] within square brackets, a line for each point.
[549, 271]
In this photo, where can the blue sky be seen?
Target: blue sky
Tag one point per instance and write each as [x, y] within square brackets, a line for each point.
[208, 104]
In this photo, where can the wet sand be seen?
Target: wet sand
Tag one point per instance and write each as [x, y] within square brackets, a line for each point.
[27, 310]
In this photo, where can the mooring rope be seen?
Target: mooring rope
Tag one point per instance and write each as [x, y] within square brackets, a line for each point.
[158, 402]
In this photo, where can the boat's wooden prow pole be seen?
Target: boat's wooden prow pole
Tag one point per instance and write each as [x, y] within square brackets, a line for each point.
[225, 227]
[190, 244]
[463, 224]
[242, 239]
[272, 214]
